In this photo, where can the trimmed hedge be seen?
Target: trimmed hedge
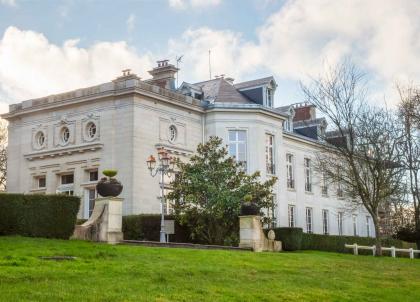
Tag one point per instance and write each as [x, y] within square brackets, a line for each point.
[147, 227]
[291, 238]
[49, 216]
[333, 243]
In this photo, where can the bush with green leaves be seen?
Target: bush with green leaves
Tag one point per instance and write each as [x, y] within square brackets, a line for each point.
[147, 227]
[36, 215]
[208, 192]
[110, 173]
[291, 238]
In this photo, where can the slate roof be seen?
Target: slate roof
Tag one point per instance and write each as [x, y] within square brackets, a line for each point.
[283, 109]
[309, 123]
[254, 83]
[219, 90]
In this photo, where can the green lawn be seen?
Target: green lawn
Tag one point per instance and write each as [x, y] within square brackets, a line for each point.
[130, 273]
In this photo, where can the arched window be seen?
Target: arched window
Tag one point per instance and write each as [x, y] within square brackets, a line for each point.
[172, 133]
[65, 135]
[40, 139]
[91, 130]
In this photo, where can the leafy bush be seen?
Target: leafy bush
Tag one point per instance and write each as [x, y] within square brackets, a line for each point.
[332, 243]
[49, 216]
[291, 238]
[109, 173]
[147, 227]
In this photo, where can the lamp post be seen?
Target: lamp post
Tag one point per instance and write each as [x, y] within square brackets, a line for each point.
[165, 167]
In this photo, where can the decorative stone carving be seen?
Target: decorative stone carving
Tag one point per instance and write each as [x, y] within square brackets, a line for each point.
[64, 132]
[87, 124]
[39, 134]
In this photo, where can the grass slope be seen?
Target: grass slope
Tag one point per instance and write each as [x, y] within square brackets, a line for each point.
[131, 273]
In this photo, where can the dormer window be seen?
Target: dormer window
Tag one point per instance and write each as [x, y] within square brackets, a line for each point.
[288, 125]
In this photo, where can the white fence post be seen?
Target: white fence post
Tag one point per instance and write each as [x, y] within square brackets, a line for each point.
[411, 253]
[355, 250]
[393, 251]
[374, 250]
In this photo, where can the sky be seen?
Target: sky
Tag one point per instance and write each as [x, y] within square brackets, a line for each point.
[53, 46]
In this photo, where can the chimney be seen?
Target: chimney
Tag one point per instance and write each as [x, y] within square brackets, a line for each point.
[229, 80]
[163, 75]
[304, 112]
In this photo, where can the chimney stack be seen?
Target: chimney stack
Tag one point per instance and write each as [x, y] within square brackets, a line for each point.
[304, 112]
[163, 75]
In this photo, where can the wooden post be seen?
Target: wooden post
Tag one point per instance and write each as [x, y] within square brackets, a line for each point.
[374, 250]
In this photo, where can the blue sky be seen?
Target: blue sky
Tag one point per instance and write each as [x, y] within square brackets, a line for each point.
[52, 46]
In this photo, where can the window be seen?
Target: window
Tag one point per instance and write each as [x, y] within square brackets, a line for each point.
[324, 187]
[91, 130]
[173, 132]
[270, 212]
[42, 182]
[67, 179]
[325, 222]
[237, 146]
[40, 139]
[93, 175]
[340, 223]
[367, 226]
[269, 97]
[65, 135]
[340, 192]
[309, 220]
[308, 175]
[269, 154]
[292, 216]
[290, 171]
[91, 196]
[354, 218]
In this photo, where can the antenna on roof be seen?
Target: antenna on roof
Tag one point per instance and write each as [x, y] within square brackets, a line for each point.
[178, 61]
[209, 64]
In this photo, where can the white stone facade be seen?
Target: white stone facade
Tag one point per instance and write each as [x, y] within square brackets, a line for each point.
[117, 125]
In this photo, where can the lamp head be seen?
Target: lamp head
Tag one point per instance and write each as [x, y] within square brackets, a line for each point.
[151, 162]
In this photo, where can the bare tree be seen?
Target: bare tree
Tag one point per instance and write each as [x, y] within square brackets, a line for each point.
[359, 153]
[409, 114]
[3, 154]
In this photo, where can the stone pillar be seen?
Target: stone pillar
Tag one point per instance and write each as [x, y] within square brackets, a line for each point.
[251, 235]
[105, 223]
[250, 230]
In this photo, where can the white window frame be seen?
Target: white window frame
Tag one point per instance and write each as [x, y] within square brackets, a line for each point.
[269, 97]
[309, 220]
[290, 171]
[237, 142]
[368, 226]
[292, 216]
[354, 222]
[325, 222]
[307, 174]
[340, 218]
[324, 187]
[87, 208]
[269, 147]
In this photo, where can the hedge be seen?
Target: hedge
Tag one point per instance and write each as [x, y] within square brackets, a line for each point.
[291, 238]
[147, 227]
[49, 216]
[334, 243]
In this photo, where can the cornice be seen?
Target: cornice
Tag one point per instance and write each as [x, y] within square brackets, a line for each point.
[63, 151]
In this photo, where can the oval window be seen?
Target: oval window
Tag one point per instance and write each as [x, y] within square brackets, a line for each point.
[65, 135]
[40, 139]
[91, 130]
[172, 133]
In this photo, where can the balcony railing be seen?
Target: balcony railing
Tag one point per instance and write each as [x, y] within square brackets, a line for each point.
[290, 183]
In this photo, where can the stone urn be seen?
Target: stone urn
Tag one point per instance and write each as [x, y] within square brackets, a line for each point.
[249, 208]
[109, 186]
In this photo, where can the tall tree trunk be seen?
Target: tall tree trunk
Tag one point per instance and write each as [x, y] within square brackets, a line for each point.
[378, 243]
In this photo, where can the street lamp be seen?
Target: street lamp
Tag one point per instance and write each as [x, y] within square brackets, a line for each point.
[165, 167]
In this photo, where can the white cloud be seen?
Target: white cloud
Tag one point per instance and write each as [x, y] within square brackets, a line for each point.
[382, 37]
[131, 22]
[183, 4]
[8, 2]
[31, 66]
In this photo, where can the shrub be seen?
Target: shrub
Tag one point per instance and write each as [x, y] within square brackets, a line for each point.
[49, 216]
[291, 238]
[147, 227]
[109, 173]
